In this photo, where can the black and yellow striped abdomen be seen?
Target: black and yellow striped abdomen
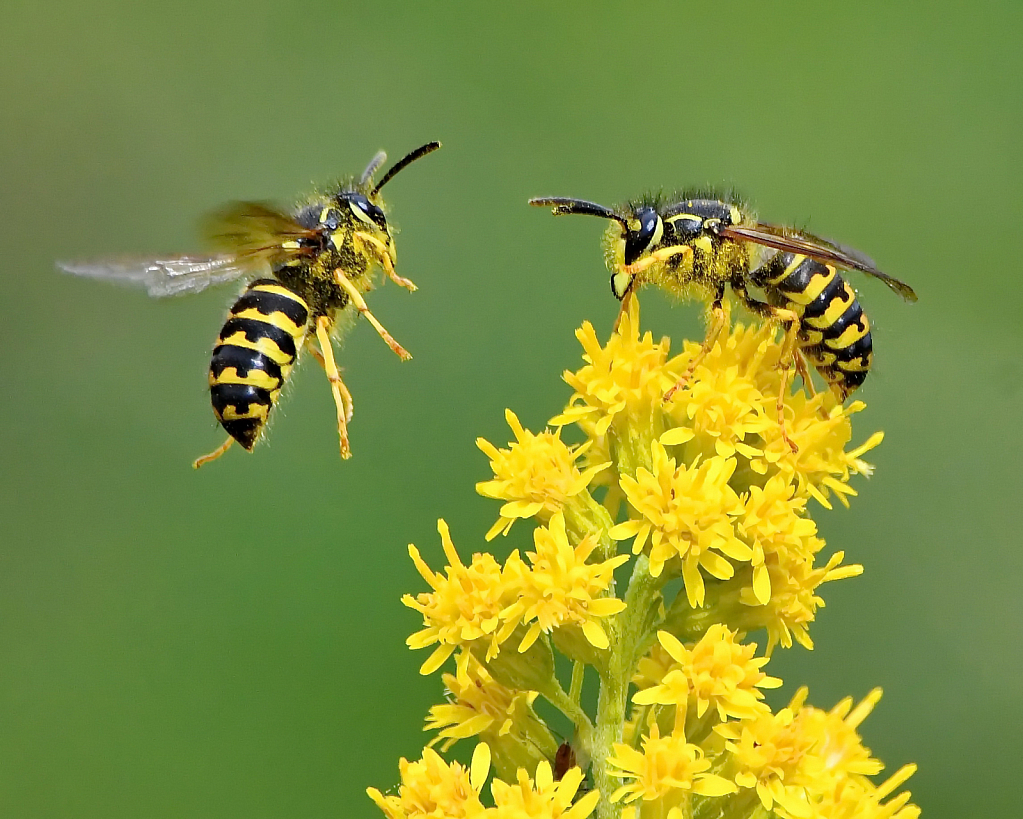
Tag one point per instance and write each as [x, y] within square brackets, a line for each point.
[254, 355]
[834, 332]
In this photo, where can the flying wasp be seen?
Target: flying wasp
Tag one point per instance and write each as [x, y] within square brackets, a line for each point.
[696, 243]
[311, 268]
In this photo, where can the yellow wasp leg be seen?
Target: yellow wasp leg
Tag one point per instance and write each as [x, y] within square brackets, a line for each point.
[337, 386]
[636, 268]
[216, 453]
[661, 255]
[804, 373]
[623, 310]
[345, 394]
[362, 307]
[384, 257]
[719, 320]
[788, 354]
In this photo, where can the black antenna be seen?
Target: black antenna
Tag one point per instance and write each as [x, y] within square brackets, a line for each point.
[409, 158]
[561, 206]
[379, 159]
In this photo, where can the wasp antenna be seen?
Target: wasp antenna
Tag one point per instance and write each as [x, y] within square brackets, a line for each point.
[408, 159]
[374, 164]
[560, 206]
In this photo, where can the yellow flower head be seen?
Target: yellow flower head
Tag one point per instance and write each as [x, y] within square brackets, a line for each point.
[687, 513]
[560, 587]
[536, 475]
[861, 799]
[802, 754]
[718, 672]
[464, 606]
[543, 798]
[478, 705]
[431, 789]
[668, 769]
[624, 379]
[723, 404]
[794, 600]
[773, 523]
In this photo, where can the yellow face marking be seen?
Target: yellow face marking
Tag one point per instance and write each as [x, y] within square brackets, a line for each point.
[658, 234]
[263, 345]
[620, 283]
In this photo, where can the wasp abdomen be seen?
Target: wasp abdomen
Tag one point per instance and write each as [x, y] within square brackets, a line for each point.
[834, 332]
[254, 355]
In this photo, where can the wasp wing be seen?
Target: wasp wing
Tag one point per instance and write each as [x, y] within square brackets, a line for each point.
[794, 241]
[257, 229]
[171, 276]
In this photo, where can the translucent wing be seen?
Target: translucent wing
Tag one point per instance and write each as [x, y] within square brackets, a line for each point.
[253, 237]
[172, 276]
[795, 241]
[255, 228]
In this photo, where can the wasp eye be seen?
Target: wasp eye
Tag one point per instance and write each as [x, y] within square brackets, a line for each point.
[645, 236]
[367, 211]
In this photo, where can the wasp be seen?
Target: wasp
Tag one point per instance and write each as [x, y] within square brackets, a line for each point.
[700, 244]
[311, 268]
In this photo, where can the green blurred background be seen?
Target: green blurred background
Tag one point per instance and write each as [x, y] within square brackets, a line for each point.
[230, 643]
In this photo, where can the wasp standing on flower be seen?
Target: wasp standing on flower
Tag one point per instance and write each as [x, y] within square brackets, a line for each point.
[696, 243]
[313, 267]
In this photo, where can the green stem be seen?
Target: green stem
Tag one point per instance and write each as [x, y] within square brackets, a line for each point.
[569, 706]
[626, 633]
[575, 689]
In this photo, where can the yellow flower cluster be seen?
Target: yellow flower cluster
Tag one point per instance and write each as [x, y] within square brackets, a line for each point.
[478, 607]
[702, 510]
[433, 789]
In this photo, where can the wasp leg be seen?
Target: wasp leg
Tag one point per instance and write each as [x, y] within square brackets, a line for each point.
[661, 255]
[345, 394]
[337, 386]
[790, 321]
[804, 373]
[626, 302]
[361, 306]
[719, 318]
[384, 257]
[216, 453]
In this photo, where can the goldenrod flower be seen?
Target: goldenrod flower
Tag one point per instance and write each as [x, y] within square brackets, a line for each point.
[795, 758]
[561, 587]
[536, 475]
[710, 493]
[478, 705]
[464, 606]
[723, 405]
[794, 600]
[773, 523]
[718, 672]
[687, 513]
[543, 798]
[668, 769]
[626, 378]
[432, 789]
